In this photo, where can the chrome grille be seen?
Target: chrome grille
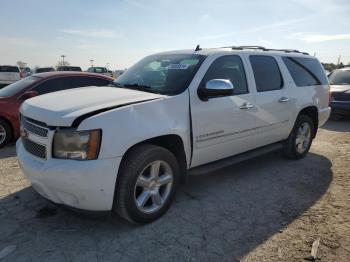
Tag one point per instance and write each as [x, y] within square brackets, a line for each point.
[34, 128]
[34, 148]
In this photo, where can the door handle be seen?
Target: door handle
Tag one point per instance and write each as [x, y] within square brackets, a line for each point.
[283, 99]
[247, 106]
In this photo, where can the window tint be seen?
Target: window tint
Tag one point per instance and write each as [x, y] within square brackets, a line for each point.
[266, 73]
[53, 85]
[81, 81]
[11, 69]
[44, 69]
[18, 86]
[229, 68]
[305, 71]
[340, 77]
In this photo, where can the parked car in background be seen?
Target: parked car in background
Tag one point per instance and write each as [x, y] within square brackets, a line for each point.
[339, 81]
[9, 74]
[25, 71]
[99, 70]
[69, 68]
[118, 73]
[12, 96]
[126, 149]
[43, 70]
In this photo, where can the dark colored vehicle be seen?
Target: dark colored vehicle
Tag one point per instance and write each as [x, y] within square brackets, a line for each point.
[43, 70]
[13, 95]
[69, 68]
[340, 91]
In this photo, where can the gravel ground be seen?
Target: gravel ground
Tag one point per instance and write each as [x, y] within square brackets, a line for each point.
[266, 209]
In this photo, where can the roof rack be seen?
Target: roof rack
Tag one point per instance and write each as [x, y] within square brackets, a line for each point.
[258, 48]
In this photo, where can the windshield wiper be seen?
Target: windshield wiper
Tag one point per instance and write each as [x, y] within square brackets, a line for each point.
[138, 87]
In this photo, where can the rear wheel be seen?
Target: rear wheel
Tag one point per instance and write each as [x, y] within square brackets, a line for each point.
[299, 141]
[147, 183]
[5, 133]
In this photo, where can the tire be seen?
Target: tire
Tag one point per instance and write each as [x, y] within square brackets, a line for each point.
[293, 147]
[135, 184]
[5, 133]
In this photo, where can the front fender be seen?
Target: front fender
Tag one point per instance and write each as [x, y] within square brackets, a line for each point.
[126, 126]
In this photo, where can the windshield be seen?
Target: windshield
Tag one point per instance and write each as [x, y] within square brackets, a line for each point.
[18, 86]
[163, 74]
[340, 77]
[44, 70]
[10, 69]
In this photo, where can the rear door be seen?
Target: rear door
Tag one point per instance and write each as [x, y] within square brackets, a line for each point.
[273, 102]
[222, 126]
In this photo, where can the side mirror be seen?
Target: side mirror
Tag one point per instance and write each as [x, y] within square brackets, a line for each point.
[29, 94]
[216, 88]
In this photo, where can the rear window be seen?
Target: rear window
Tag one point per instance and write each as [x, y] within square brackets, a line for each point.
[11, 69]
[266, 73]
[69, 68]
[100, 70]
[305, 71]
[44, 69]
[18, 86]
[340, 77]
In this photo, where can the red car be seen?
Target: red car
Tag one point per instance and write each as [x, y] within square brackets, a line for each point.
[13, 95]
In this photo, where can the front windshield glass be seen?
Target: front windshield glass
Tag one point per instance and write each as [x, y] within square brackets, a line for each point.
[18, 86]
[163, 74]
[340, 77]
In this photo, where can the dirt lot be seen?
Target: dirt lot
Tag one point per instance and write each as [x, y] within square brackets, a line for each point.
[266, 209]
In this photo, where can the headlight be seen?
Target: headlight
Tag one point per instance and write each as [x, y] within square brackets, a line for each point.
[77, 145]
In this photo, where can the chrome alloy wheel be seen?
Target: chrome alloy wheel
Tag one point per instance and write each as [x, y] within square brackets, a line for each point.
[153, 187]
[2, 134]
[303, 138]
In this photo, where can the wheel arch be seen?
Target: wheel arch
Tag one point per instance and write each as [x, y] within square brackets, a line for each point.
[312, 112]
[171, 142]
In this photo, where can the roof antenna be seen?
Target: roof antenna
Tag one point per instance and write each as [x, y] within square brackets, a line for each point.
[198, 48]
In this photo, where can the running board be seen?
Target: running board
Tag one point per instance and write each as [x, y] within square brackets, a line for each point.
[229, 161]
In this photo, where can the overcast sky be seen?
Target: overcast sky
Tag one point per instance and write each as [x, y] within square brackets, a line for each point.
[123, 31]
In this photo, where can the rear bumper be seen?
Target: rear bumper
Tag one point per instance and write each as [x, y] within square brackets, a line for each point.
[323, 115]
[87, 185]
[340, 107]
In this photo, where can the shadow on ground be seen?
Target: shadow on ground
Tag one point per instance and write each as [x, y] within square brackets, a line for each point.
[341, 125]
[219, 216]
[8, 151]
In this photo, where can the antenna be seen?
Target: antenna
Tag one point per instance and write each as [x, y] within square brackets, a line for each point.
[198, 48]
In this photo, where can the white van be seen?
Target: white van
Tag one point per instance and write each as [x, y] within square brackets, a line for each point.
[126, 148]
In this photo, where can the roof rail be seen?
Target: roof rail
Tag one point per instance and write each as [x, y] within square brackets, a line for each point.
[264, 49]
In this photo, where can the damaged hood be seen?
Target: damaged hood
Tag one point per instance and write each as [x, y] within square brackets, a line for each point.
[62, 108]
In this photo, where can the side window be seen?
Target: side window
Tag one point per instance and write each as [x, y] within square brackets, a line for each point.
[305, 71]
[229, 68]
[266, 73]
[81, 81]
[53, 85]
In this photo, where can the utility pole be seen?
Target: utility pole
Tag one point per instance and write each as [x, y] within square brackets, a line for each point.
[339, 57]
[92, 62]
[63, 56]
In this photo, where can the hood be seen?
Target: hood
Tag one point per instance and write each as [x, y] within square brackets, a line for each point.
[62, 108]
[340, 88]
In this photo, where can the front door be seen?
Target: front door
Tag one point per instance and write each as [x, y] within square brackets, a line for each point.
[223, 126]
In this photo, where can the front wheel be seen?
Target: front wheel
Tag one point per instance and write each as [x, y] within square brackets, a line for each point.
[147, 183]
[299, 141]
[5, 133]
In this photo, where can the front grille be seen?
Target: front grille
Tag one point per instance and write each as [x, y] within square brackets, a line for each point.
[34, 127]
[34, 148]
[341, 96]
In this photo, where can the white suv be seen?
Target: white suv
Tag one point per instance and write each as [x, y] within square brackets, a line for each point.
[127, 147]
[9, 74]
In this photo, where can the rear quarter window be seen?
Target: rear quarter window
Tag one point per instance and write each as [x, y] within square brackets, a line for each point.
[305, 71]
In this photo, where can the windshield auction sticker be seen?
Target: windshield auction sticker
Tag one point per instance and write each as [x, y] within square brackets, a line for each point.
[177, 67]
